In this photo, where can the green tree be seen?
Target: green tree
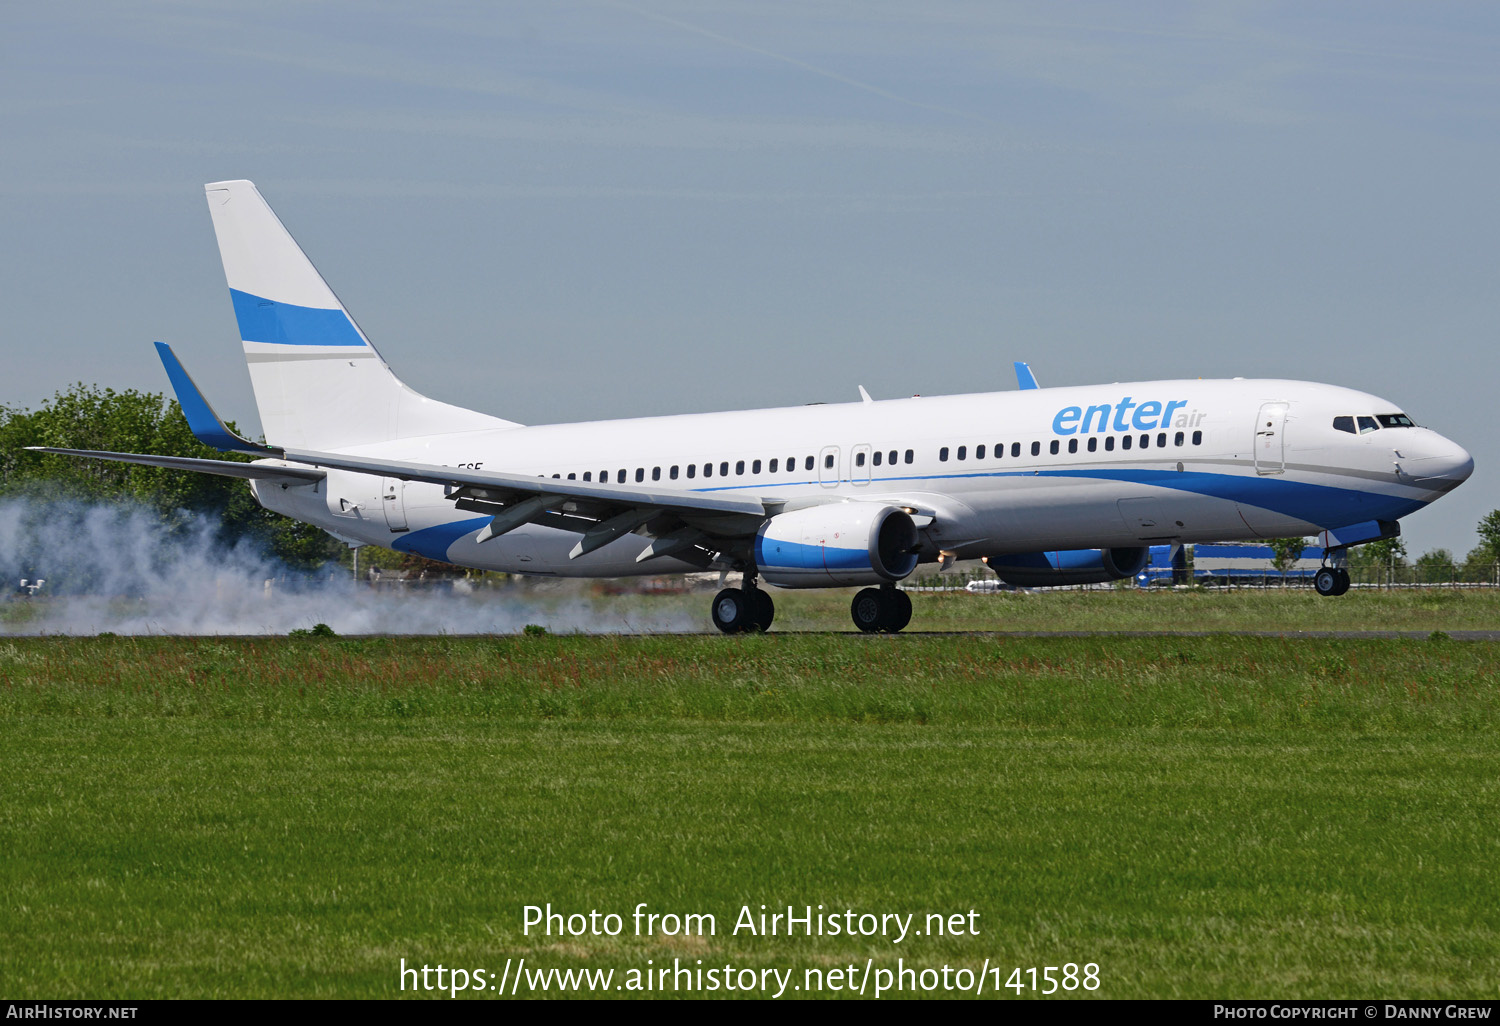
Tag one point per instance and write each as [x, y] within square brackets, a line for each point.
[1489, 530]
[1385, 553]
[87, 417]
[1479, 564]
[1285, 552]
[1435, 566]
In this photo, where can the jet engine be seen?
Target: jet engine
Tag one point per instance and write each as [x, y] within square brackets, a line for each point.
[1072, 566]
[837, 543]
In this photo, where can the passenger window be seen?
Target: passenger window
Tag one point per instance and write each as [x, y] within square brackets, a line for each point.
[1036, 448]
[893, 458]
[1126, 442]
[572, 477]
[791, 464]
[1055, 446]
[640, 474]
[708, 470]
[755, 467]
[724, 469]
[673, 472]
[1072, 445]
[1093, 444]
[876, 458]
[999, 450]
[692, 470]
[910, 455]
[859, 459]
[810, 463]
[556, 475]
[1161, 440]
[1015, 448]
[963, 452]
[828, 461]
[656, 473]
[588, 475]
[1145, 441]
[1367, 424]
[739, 467]
[774, 465]
[1344, 424]
[979, 452]
[943, 454]
[620, 477]
[1197, 437]
[1109, 443]
[1178, 439]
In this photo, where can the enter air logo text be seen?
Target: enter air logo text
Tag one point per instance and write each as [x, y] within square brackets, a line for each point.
[1125, 415]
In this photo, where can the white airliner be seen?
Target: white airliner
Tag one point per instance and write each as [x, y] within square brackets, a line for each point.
[1049, 486]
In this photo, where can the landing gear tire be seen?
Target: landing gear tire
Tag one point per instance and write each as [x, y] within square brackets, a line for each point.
[867, 610]
[742, 610]
[880, 610]
[731, 611]
[1326, 581]
[899, 610]
[1343, 583]
[765, 610]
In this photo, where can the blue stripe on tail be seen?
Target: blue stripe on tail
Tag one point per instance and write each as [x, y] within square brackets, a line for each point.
[265, 320]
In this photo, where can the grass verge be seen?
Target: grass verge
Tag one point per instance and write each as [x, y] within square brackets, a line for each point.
[1198, 816]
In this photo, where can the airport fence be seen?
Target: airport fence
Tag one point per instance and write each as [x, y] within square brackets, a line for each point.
[1427, 575]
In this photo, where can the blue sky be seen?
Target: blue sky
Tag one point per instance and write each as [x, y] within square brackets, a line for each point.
[575, 210]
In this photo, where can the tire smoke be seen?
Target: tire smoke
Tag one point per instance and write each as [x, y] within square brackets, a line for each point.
[118, 569]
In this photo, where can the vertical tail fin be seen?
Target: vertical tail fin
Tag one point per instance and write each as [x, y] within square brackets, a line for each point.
[319, 384]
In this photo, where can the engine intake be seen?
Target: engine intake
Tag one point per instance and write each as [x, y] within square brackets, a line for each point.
[840, 543]
[1070, 566]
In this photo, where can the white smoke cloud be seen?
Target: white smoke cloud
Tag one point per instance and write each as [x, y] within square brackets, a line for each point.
[118, 569]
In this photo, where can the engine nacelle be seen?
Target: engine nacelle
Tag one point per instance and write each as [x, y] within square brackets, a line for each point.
[840, 543]
[1072, 566]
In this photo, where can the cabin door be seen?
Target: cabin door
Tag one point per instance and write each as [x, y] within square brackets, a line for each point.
[393, 499]
[1270, 439]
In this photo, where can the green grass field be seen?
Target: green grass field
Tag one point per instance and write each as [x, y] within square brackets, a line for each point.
[1212, 816]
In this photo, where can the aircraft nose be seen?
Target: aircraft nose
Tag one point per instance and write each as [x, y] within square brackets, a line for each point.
[1449, 462]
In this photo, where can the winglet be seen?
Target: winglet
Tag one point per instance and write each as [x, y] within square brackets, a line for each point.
[202, 420]
[1024, 377]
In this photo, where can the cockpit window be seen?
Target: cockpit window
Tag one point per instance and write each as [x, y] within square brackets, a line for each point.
[1367, 424]
[1395, 420]
[1344, 424]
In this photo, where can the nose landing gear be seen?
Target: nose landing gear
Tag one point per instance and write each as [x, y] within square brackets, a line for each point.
[1332, 581]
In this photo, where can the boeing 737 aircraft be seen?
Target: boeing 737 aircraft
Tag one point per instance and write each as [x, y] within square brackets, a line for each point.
[1049, 486]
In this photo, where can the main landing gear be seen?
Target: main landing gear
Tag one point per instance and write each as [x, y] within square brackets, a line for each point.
[883, 610]
[1331, 581]
[743, 610]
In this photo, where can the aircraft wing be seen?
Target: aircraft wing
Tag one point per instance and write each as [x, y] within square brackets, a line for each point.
[259, 471]
[678, 522]
[505, 485]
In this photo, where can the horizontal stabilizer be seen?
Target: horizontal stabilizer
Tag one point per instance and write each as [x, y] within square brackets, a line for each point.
[259, 471]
